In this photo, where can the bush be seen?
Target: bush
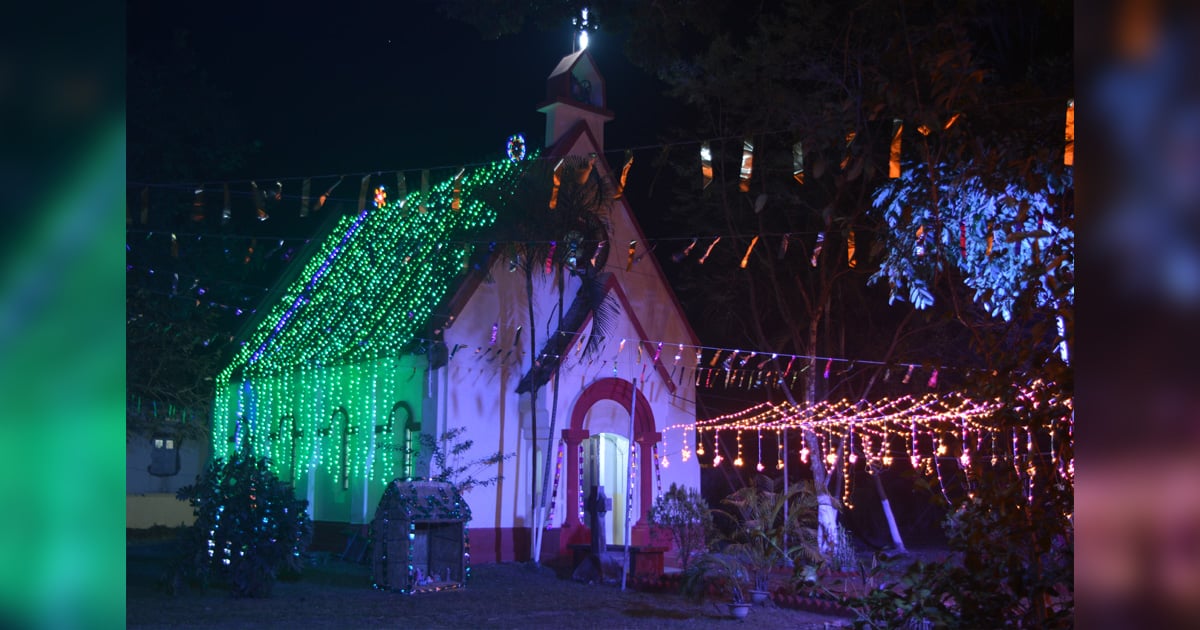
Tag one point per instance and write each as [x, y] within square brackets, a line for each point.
[249, 526]
[684, 512]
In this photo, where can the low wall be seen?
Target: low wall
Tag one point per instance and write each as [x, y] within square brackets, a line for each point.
[157, 508]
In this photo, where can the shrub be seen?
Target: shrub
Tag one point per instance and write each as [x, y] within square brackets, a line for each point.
[685, 513]
[249, 526]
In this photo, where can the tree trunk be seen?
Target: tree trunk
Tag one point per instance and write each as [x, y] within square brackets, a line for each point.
[533, 391]
[539, 522]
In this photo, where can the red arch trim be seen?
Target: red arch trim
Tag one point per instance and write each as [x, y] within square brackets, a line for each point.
[619, 391]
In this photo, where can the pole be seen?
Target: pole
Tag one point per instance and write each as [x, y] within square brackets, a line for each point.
[629, 484]
[786, 522]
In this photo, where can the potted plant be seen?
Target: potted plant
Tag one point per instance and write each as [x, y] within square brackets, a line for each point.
[771, 529]
[732, 568]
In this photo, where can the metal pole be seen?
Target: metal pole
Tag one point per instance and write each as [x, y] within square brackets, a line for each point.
[629, 484]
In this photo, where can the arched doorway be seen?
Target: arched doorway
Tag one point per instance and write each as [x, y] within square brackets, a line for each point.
[614, 399]
[606, 460]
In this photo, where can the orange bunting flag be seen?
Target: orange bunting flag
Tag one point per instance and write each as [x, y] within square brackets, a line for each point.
[1069, 153]
[362, 192]
[305, 192]
[624, 174]
[920, 250]
[198, 204]
[849, 141]
[924, 130]
[226, 212]
[798, 163]
[423, 208]
[991, 240]
[259, 202]
[817, 249]
[456, 195]
[586, 171]
[746, 258]
[706, 168]
[557, 182]
[850, 250]
[323, 198]
[783, 246]
[950, 123]
[679, 256]
[894, 162]
[709, 250]
[632, 249]
[747, 164]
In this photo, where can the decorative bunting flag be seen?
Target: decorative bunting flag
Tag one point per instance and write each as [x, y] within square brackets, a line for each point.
[198, 204]
[747, 164]
[456, 190]
[226, 212]
[950, 123]
[632, 249]
[174, 247]
[850, 250]
[920, 240]
[278, 191]
[679, 256]
[783, 246]
[746, 258]
[817, 248]
[305, 191]
[828, 364]
[362, 192]
[908, 374]
[924, 130]
[1069, 152]
[624, 174]
[423, 208]
[550, 256]
[706, 169]
[586, 171]
[259, 202]
[962, 238]
[894, 161]
[990, 240]
[849, 141]
[323, 198]
[599, 248]
[933, 378]
[709, 250]
[557, 178]
[401, 188]
[798, 163]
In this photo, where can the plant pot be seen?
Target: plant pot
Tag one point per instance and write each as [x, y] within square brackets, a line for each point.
[758, 597]
[739, 610]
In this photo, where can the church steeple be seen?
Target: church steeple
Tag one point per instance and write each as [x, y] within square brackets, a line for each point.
[574, 93]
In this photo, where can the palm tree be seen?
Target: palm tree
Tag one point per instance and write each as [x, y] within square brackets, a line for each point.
[567, 240]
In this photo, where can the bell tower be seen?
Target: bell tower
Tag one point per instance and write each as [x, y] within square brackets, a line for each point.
[575, 93]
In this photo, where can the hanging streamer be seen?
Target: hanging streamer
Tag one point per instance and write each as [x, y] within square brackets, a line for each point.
[226, 212]
[894, 161]
[1069, 152]
[557, 179]
[456, 190]
[798, 163]
[364, 186]
[706, 169]
[709, 250]
[624, 174]
[305, 192]
[401, 188]
[423, 208]
[747, 164]
[550, 256]
[783, 246]
[632, 249]
[817, 248]
[933, 378]
[850, 250]
[323, 198]
[586, 171]
[259, 202]
[849, 140]
[746, 258]
[198, 204]
[679, 256]
[908, 374]
[962, 238]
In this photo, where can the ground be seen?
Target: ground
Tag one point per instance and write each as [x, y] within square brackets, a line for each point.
[338, 594]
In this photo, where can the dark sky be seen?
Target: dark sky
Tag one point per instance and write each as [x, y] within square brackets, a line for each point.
[364, 86]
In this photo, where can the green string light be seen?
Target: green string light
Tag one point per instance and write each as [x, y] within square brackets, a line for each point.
[340, 334]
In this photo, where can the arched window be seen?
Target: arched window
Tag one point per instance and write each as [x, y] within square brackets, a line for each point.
[342, 417]
[402, 414]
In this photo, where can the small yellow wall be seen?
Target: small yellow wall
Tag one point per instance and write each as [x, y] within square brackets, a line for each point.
[158, 508]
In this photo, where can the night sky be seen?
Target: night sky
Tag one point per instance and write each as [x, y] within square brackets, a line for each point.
[374, 87]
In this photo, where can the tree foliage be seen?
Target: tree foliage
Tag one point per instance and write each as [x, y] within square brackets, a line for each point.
[684, 512]
[249, 526]
[450, 461]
